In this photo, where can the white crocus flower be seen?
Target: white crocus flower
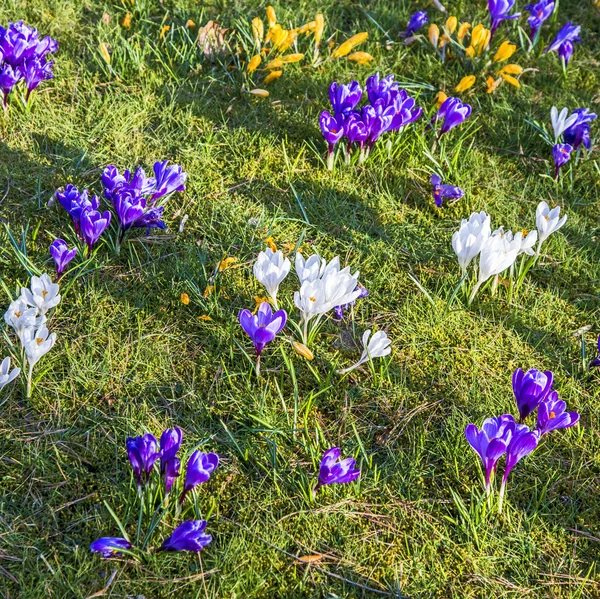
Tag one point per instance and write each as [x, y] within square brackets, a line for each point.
[270, 269]
[547, 221]
[377, 347]
[20, 317]
[561, 122]
[468, 241]
[42, 295]
[37, 344]
[309, 269]
[522, 241]
[6, 374]
[495, 257]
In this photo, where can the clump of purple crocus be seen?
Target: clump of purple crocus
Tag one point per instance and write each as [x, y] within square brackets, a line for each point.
[441, 191]
[62, 255]
[336, 471]
[24, 57]
[389, 109]
[453, 112]
[564, 42]
[339, 310]
[139, 200]
[416, 21]
[503, 436]
[262, 327]
[538, 14]
[499, 10]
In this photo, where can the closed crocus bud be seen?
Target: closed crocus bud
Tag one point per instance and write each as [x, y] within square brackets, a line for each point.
[62, 255]
[143, 453]
[530, 389]
[561, 154]
[302, 350]
[564, 41]
[319, 28]
[93, 224]
[271, 17]
[505, 51]
[434, 34]
[377, 346]
[548, 221]
[270, 269]
[110, 546]
[346, 47]
[451, 25]
[362, 58]
[199, 468]
[415, 23]
[6, 374]
[188, 536]
[170, 442]
[258, 31]
[468, 241]
[465, 83]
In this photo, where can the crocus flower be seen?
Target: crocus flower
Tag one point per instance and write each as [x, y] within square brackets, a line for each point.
[59, 250]
[168, 179]
[561, 121]
[499, 10]
[491, 441]
[381, 88]
[6, 374]
[332, 128]
[522, 443]
[522, 241]
[339, 310]
[310, 269]
[344, 97]
[579, 132]
[270, 269]
[171, 472]
[35, 71]
[378, 346]
[336, 471]
[561, 154]
[142, 452]
[170, 442]
[110, 546]
[92, 225]
[188, 536]
[472, 235]
[37, 343]
[20, 317]
[76, 202]
[548, 221]
[595, 363]
[442, 190]
[552, 415]
[416, 21]
[530, 389]
[538, 13]
[262, 327]
[564, 40]
[199, 468]
[356, 130]
[404, 111]
[42, 295]
[8, 79]
[453, 112]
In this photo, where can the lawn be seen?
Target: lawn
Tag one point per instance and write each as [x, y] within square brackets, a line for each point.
[131, 357]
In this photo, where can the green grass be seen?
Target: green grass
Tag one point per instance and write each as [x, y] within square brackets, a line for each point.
[132, 358]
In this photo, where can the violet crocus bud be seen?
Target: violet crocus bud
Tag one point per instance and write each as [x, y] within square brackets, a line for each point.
[188, 536]
[142, 452]
[59, 250]
[332, 128]
[530, 389]
[199, 468]
[564, 42]
[335, 471]
[561, 154]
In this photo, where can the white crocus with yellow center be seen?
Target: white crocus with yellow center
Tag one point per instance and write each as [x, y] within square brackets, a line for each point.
[20, 317]
[468, 241]
[37, 343]
[270, 269]
[547, 221]
[43, 294]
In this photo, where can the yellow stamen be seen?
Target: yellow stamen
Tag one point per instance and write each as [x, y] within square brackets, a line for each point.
[552, 415]
[39, 340]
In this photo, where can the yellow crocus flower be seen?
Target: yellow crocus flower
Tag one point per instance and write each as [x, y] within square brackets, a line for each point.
[126, 20]
[363, 58]
[302, 350]
[104, 51]
[272, 76]
[492, 84]
[451, 24]
[226, 263]
[511, 69]
[440, 98]
[465, 83]
[189, 24]
[462, 31]
[261, 93]
[254, 63]
[274, 64]
[287, 41]
[271, 17]
[308, 27]
[271, 243]
[470, 52]
[433, 33]
[345, 48]
[319, 27]
[185, 299]
[258, 31]
[292, 58]
[510, 79]
[505, 51]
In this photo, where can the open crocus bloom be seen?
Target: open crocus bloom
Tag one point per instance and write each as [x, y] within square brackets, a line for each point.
[37, 344]
[42, 295]
[442, 190]
[263, 326]
[552, 415]
[564, 41]
[21, 317]
[547, 221]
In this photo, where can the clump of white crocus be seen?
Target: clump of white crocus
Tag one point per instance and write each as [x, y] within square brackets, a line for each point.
[27, 316]
[378, 346]
[6, 374]
[270, 269]
[548, 221]
[472, 235]
[496, 256]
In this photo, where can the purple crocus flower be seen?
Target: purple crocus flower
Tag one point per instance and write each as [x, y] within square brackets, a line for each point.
[595, 363]
[454, 113]
[76, 202]
[344, 97]
[415, 23]
[263, 326]
[538, 13]
[564, 40]
[491, 441]
[142, 452]
[378, 119]
[442, 190]
[170, 442]
[92, 224]
[168, 179]
[499, 10]
[333, 470]
[59, 250]
[339, 310]
[531, 388]
[35, 71]
[188, 536]
[332, 128]
[199, 468]
[561, 154]
[171, 472]
[552, 415]
[379, 88]
[9, 77]
[356, 130]
[579, 132]
[110, 546]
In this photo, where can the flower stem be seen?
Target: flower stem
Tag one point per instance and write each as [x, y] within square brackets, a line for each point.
[29, 381]
[474, 292]
[501, 496]
[330, 159]
[258, 366]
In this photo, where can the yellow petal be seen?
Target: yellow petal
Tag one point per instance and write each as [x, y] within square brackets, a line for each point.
[271, 16]
[511, 69]
[433, 33]
[462, 31]
[292, 58]
[444, 40]
[451, 24]
[205, 317]
[272, 76]
[302, 350]
[492, 84]
[163, 30]
[287, 42]
[308, 27]
[104, 51]
[345, 48]
[360, 57]
[226, 263]
[271, 243]
[258, 31]
[210, 289]
[274, 64]
[465, 83]
[277, 35]
[185, 298]
[319, 27]
[189, 24]
[261, 93]
[470, 52]
[126, 20]
[505, 51]
[254, 63]
[477, 34]
[440, 98]
[510, 79]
